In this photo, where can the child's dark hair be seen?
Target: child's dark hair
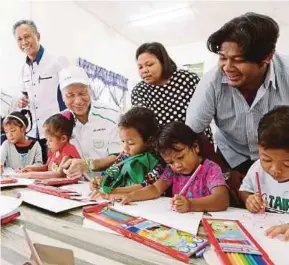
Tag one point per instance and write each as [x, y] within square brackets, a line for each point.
[141, 119]
[175, 133]
[19, 118]
[60, 124]
[273, 129]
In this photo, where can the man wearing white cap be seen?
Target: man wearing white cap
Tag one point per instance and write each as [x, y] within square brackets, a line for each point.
[95, 134]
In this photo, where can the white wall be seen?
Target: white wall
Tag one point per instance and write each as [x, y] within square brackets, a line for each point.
[193, 53]
[67, 30]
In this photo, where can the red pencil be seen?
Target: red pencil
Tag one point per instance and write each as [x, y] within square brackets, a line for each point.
[259, 190]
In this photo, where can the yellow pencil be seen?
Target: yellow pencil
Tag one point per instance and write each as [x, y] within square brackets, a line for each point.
[234, 256]
[239, 258]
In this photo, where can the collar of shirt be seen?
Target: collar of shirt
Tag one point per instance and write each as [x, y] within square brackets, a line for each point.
[38, 56]
[269, 79]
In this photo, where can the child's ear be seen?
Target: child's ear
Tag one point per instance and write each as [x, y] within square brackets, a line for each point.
[64, 138]
[23, 129]
[196, 148]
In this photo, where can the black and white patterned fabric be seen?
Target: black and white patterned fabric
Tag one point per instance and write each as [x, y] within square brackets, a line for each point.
[170, 101]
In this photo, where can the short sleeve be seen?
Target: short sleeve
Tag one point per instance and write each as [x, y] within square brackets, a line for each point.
[71, 151]
[201, 109]
[168, 175]
[37, 161]
[214, 176]
[193, 80]
[248, 183]
[136, 98]
[154, 175]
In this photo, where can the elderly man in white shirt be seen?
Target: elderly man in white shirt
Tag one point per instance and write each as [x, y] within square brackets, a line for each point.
[96, 133]
[39, 79]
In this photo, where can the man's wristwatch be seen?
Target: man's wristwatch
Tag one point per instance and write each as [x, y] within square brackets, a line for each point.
[90, 164]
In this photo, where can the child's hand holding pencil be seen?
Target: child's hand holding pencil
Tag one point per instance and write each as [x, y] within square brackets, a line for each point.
[181, 204]
[255, 203]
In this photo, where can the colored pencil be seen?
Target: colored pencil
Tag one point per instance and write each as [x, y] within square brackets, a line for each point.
[246, 258]
[241, 259]
[187, 184]
[252, 260]
[259, 190]
[232, 261]
[190, 180]
[260, 260]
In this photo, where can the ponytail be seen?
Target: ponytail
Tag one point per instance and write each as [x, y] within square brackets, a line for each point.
[27, 112]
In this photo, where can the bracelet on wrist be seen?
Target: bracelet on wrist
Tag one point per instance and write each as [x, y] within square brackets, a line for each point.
[90, 164]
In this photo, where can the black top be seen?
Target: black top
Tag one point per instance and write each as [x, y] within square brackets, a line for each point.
[24, 149]
[170, 101]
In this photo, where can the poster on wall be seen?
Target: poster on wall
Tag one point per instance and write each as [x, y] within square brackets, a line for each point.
[197, 68]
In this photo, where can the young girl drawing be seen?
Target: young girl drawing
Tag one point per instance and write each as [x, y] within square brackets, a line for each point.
[273, 169]
[138, 165]
[17, 151]
[58, 130]
[178, 146]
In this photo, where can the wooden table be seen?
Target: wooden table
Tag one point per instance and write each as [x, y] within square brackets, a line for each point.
[65, 230]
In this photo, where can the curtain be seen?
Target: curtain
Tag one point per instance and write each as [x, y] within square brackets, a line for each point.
[106, 85]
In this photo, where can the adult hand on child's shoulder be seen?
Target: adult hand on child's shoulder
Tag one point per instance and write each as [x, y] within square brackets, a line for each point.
[278, 230]
[255, 203]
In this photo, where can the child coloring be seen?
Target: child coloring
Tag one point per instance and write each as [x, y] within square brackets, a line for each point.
[207, 191]
[137, 166]
[273, 169]
[58, 130]
[17, 151]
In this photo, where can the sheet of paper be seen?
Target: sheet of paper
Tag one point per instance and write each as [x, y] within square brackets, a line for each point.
[95, 226]
[159, 210]
[83, 189]
[8, 171]
[51, 203]
[211, 257]
[258, 221]
[8, 205]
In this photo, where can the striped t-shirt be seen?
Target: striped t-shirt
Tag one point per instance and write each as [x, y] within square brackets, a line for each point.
[235, 119]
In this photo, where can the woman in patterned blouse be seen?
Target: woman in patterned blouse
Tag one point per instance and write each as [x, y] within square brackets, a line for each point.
[164, 89]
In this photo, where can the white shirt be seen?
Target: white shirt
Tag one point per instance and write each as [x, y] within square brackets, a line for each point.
[276, 194]
[98, 137]
[40, 81]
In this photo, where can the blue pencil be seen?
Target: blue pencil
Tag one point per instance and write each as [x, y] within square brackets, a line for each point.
[252, 260]
[112, 216]
[260, 260]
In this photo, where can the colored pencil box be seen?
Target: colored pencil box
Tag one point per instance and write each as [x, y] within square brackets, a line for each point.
[10, 217]
[63, 193]
[233, 243]
[56, 181]
[8, 181]
[175, 243]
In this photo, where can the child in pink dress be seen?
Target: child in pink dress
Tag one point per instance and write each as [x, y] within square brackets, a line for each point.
[58, 131]
[178, 146]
